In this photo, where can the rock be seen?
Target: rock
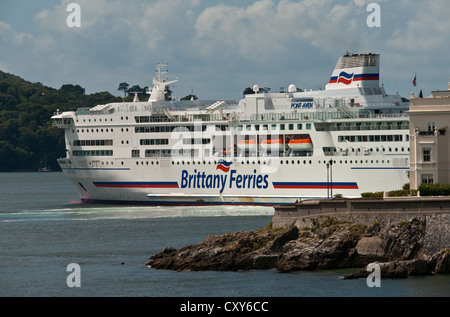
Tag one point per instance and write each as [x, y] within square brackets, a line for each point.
[281, 240]
[370, 246]
[264, 261]
[324, 244]
[417, 267]
[443, 262]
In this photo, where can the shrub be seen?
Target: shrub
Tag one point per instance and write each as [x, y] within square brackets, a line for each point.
[374, 194]
[434, 189]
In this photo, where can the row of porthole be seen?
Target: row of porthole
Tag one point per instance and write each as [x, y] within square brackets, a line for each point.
[95, 120]
[252, 162]
[100, 119]
[285, 162]
[147, 163]
[97, 130]
[104, 163]
[382, 149]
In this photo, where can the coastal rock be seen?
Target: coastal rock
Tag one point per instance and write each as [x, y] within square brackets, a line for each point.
[323, 243]
[438, 263]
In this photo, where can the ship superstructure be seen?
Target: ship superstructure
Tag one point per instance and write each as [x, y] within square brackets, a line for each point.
[268, 148]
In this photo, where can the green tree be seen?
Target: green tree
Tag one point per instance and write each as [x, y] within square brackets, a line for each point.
[72, 89]
[189, 97]
[123, 87]
[27, 136]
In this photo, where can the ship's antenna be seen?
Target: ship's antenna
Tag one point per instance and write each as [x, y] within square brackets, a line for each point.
[159, 83]
[161, 71]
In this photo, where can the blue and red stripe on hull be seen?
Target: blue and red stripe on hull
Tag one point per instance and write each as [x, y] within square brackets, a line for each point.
[315, 185]
[137, 184]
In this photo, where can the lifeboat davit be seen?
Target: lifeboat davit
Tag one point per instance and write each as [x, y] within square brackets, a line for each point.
[247, 145]
[272, 145]
[303, 144]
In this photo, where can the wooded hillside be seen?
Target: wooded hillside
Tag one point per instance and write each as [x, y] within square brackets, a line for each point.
[27, 137]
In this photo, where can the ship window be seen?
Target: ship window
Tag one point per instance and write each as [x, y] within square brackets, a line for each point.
[93, 153]
[291, 126]
[299, 126]
[308, 126]
[135, 153]
[282, 126]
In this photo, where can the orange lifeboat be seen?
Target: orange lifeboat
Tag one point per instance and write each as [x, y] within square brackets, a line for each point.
[272, 145]
[247, 145]
[302, 144]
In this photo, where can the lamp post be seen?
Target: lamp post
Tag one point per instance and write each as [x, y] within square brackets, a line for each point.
[328, 180]
[331, 178]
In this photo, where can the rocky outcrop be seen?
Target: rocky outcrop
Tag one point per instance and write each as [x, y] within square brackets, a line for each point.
[322, 243]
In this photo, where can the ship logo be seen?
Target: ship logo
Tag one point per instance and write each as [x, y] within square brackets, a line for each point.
[223, 165]
[345, 78]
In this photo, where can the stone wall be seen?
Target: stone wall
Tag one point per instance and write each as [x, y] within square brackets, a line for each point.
[434, 213]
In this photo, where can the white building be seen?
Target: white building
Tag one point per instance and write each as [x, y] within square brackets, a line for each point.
[429, 139]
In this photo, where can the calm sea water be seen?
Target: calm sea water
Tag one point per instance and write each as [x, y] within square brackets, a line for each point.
[43, 230]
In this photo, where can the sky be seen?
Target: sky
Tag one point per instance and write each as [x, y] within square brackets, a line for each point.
[217, 48]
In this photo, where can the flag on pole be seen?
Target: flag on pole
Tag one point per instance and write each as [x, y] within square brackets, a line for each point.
[414, 80]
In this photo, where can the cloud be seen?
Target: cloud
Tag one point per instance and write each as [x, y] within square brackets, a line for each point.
[219, 48]
[8, 35]
[265, 29]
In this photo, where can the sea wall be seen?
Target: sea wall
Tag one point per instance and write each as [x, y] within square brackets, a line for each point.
[388, 212]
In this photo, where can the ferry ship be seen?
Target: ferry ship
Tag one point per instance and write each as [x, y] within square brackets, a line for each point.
[266, 149]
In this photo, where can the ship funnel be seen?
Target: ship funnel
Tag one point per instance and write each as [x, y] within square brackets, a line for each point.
[356, 70]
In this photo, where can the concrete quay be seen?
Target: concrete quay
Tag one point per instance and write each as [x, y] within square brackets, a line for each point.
[387, 205]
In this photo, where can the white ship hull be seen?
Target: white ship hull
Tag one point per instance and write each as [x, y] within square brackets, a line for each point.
[202, 184]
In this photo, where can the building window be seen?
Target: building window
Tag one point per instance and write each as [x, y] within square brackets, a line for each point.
[426, 154]
[431, 126]
[426, 178]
